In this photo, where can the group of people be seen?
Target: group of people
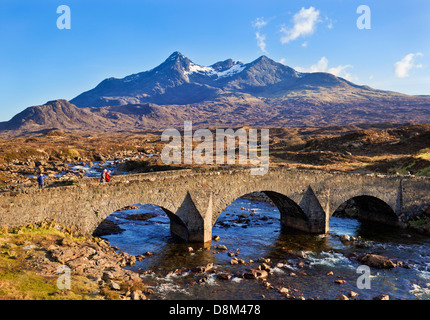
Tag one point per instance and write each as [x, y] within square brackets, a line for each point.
[105, 176]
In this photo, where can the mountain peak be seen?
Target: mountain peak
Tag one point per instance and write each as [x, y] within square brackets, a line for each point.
[176, 61]
[263, 59]
[176, 56]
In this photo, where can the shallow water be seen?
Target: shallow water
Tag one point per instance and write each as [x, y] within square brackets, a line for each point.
[262, 236]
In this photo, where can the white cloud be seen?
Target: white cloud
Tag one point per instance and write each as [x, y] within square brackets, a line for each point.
[259, 23]
[305, 22]
[404, 66]
[282, 61]
[261, 38]
[261, 41]
[322, 66]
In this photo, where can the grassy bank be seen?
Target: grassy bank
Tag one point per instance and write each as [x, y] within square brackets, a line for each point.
[24, 274]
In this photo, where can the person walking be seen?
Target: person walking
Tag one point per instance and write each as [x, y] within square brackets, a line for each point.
[41, 181]
[107, 176]
[103, 176]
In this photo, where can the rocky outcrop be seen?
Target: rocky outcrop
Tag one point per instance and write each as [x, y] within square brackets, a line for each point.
[98, 261]
[107, 227]
[377, 261]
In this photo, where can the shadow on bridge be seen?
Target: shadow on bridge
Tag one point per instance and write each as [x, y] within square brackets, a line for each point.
[367, 208]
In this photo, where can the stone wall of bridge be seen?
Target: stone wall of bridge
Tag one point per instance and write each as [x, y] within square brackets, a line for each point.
[194, 199]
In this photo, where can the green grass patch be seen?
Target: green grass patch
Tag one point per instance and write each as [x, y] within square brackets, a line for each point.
[420, 222]
[19, 280]
[424, 172]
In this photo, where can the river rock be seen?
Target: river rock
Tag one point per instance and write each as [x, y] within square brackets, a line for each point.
[339, 281]
[107, 227]
[114, 286]
[140, 257]
[138, 295]
[127, 259]
[205, 268]
[265, 266]
[352, 294]
[64, 255]
[345, 238]
[29, 247]
[302, 254]
[223, 276]
[284, 290]
[377, 261]
[261, 274]
[256, 274]
[220, 247]
[107, 276]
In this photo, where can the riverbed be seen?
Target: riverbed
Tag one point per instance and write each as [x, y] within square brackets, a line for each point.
[308, 266]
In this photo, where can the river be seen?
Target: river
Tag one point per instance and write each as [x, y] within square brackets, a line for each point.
[251, 230]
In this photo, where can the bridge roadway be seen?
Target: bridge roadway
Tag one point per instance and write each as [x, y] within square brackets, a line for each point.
[194, 198]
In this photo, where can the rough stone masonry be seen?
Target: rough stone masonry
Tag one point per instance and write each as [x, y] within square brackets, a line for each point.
[194, 199]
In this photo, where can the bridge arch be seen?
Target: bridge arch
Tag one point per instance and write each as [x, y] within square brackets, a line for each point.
[104, 224]
[291, 214]
[370, 208]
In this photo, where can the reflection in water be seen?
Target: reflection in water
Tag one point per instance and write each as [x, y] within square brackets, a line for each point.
[252, 230]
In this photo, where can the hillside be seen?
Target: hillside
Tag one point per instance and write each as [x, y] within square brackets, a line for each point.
[229, 93]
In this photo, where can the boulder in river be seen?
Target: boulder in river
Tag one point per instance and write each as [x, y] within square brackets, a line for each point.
[205, 268]
[377, 261]
[256, 274]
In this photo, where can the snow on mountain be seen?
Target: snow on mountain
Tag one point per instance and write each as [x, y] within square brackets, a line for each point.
[211, 72]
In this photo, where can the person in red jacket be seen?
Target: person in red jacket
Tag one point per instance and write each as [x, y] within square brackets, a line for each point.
[107, 176]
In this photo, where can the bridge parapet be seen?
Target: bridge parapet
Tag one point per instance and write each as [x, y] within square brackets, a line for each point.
[194, 199]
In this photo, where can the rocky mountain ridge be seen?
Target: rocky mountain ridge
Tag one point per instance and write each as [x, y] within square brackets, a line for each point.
[262, 93]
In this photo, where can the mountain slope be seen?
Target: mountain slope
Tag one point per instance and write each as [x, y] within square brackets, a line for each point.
[54, 114]
[225, 94]
[159, 85]
[178, 80]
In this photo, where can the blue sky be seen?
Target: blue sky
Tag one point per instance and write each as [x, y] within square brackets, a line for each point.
[39, 62]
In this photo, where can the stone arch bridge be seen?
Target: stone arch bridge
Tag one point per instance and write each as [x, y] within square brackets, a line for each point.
[194, 199]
